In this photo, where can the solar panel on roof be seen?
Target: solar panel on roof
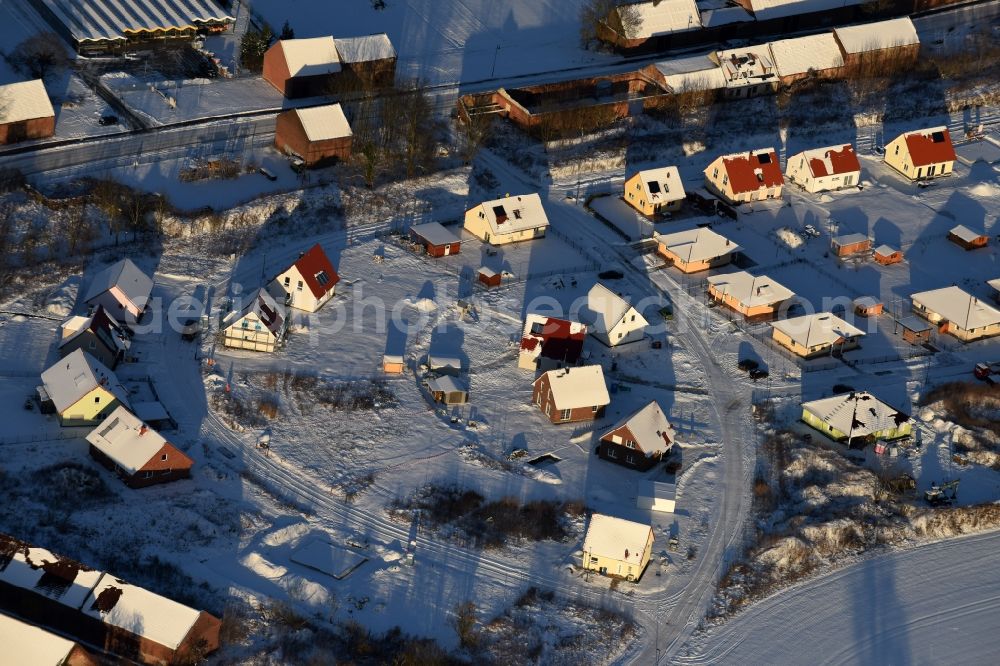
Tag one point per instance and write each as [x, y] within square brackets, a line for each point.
[764, 158]
[937, 137]
[654, 187]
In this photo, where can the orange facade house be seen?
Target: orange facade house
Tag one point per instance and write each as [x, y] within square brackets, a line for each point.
[887, 255]
[753, 296]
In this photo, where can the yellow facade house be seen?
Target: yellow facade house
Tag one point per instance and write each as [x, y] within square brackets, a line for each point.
[856, 417]
[817, 334]
[655, 191]
[958, 313]
[617, 547]
[921, 154]
[81, 390]
[508, 220]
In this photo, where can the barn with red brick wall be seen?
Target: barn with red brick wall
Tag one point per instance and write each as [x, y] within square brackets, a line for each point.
[318, 134]
[25, 112]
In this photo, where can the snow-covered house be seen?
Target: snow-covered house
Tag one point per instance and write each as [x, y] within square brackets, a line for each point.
[885, 43]
[139, 455]
[259, 325]
[448, 390]
[317, 134]
[617, 547]
[748, 71]
[81, 390]
[822, 169]
[444, 364]
[99, 335]
[508, 220]
[437, 239]
[548, 343]
[868, 306]
[694, 74]
[957, 312]
[817, 334]
[696, 249]
[849, 417]
[25, 112]
[302, 67]
[887, 255]
[640, 440]
[966, 238]
[26, 644]
[742, 177]
[813, 55]
[122, 289]
[571, 394]
[753, 296]
[308, 283]
[652, 19]
[366, 62]
[613, 319]
[655, 191]
[921, 154]
[846, 245]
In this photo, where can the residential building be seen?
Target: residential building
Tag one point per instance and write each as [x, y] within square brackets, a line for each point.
[99, 335]
[81, 390]
[922, 154]
[694, 74]
[813, 55]
[28, 644]
[437, 239]
[302, 67]
[748, 71]
[308, 283]
[548, 343]
[957, 312]
[25, 112]
[508, 220]
[753, 296]
[967, 239]
[824, 169]
[569, 395]
[846, 245]
[655, 191]
[887, 255]
[639, 441]
[617, 547]
[856, 417]
[883, 44]
[613, 319]
[259, 325]
[815, 335]
[744, 177]
[139, 455]
[696, 249]
[319, 135]
[122, 289]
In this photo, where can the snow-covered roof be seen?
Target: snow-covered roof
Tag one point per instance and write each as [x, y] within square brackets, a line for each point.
[443, 362]
[608, 308]
[662, 185]
[514, 213]
[994, 283]
[25, 643]
[828, 161]
[849, 239]
[699, 244]
[324, 122]
[798, 55]
[96, 20]
[435, 233]
[582, 386]
[866, 302]
[103, 325]
[657, 489]
[958, 307]
[663, 17]
[690, 74]
[914, 323]
[746, 66]
[71, 581]
[964, 233]
[751, 290]
[24, 101]
[265, 307]
[125, 439]
[552, 338]
[311, 57]
[868, 413]
[364, 49]
[821, 328]
[653, 433]
[446, 384]
[73, 377]
[128, 278]
[140, 611]
[885, 250]
[772, 9]
[616, 538]
[876, 36]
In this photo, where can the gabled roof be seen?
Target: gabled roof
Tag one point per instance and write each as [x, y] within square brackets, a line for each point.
[751, 290]
[764, 10]
[608, 308]
[322, 123]
[129, 442]
[693, 73]
[26, 100]
[753, 170]
[868, 413]
[582, 386]
[822, 328]
[964, 233]
[36, 569]
[653, 433]
[929, 146]
[829, 161]
[435, 233]
[699, 244]
[447, 384]
[849, 239]
[885, 250]
[959, 307]
[616, 538]
[364, 49]
[552, 338]
[73, 377]
[125, 275]
[263, 305]
[662, 185]
[994, 283]
[310, 57]
[103, 326]
[25, 643]
[798, 55]
[663, 17]
[313, 265]
[877, 36]
[513, 214]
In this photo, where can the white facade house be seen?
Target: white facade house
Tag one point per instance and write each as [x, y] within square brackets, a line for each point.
[614, 320]
[508, 220]
[122, 289]
[308, 283]
[824, 169]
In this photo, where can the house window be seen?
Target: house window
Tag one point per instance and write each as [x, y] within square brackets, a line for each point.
[595, 408]
[322, 278]
[246, 324]
[147, 475]
[629, 444]
[897, 150]
[630, 459]
[725, 180]
[163, 457]
[564, 415]
[611, 453]
[593, 559]
[715, 173]
[288, 281]
[633, 318]
[93, 345]
[299, 287]
[97, 398]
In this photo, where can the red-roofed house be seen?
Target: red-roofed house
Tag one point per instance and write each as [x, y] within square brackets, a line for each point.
[308, 283]
[751, 176]
[822, 169]
[548, 343]
[920, 154]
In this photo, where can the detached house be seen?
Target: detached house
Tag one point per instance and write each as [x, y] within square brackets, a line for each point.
[366, 62]
[922, 154]
[823, 169]
[317, 134]
[508, 220]
[957, 312]
[572, 394]
[81, 390]
[99, 335]
[813, 55]
[744, 177]
[696, 249]
[122, 289]
[753, 296]
[856, 416]
[814, 335]
[748, 71]
[25, 112]
[654, 19]
[967, 239]
[655, 191]
[639, 441]
[308, 283]
[139, 455]
[548, 343]
[617, 547]
[260, 325]
[614, 320]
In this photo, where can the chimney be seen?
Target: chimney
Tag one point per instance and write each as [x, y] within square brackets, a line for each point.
[142, 430]
[626, 553]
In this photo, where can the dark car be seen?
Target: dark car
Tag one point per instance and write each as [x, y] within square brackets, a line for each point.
[759, 373]
[104, 121]
[190, 329]
[747, 364]
[611, 275]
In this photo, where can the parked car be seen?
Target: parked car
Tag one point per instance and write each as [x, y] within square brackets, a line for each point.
[190, 329]
[810, 230]
[267, 174]
[106, 120]
[747, 365]
[842, 388]
[759, 373]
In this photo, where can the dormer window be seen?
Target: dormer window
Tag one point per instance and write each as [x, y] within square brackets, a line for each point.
[322, 278]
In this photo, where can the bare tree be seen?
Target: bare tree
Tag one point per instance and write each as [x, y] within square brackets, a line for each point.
[40, 56]
[623, 20]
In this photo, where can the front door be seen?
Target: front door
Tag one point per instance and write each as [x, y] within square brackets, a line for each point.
[603, 571]
[447, 250]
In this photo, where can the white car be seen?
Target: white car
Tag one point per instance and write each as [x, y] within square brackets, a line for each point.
[810, 230]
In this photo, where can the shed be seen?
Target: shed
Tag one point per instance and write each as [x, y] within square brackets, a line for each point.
[657, 496]
[966, 238]
[887, 255]
[846, 245]
[25, 112]
[438, 240]
[915, 330]
[392, 364]
[489, 277]
[450, 365]
[867, 306]
[317, 134]
[448, 390]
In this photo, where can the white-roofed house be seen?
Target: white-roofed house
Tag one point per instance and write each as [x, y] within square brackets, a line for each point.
[849, 244]
[81, 390]
[966, 238]
[816, 334]
[367, 62]
[696, 249]
[617, 547]
[655, 191]
[640, 440]
[259, 325]
[887, 255]
[99, 335]
[850, 417]
[880, 46]
[694, 74]
[957, 312]
[122, 289]
[25, 643]
[813, 55]
[25, 112]
[630, 25]
[437, 239]
[753, 296]
[575, 394]
[508, 220]
[923, 153]
[302, 67]
[139, 455]
[823, 169]
[317, 134]
[613, 320]
[448, 390]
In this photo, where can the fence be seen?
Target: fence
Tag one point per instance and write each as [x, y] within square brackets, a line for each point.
[33, 438]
